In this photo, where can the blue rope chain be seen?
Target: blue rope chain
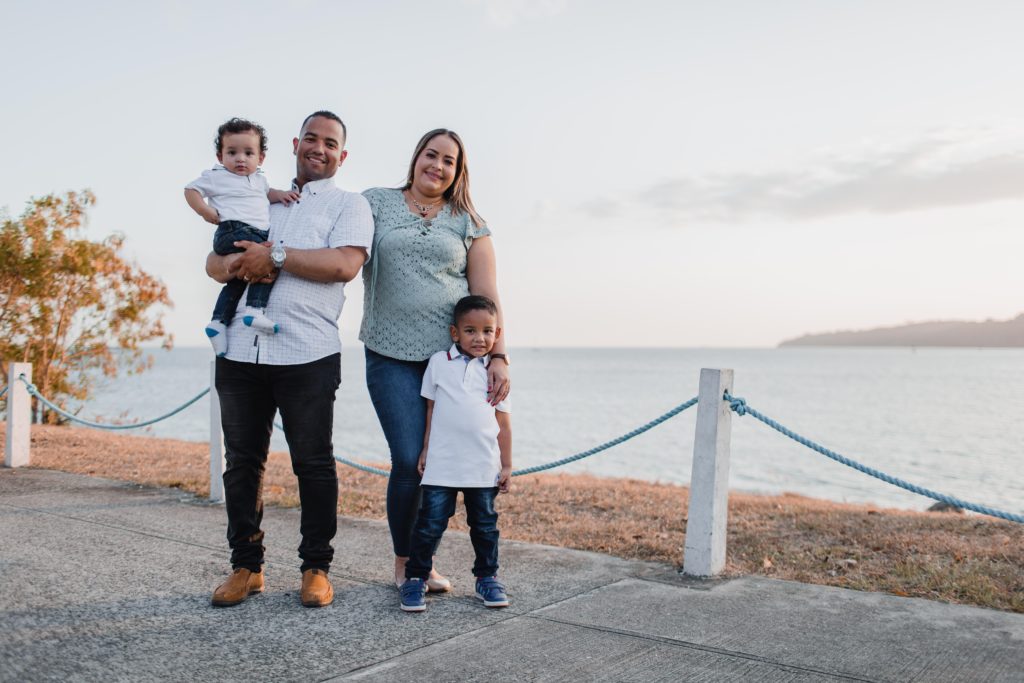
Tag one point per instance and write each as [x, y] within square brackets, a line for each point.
[608, 444]
[3, 392]
[557, 463]
[737, 405]
[99, 425]
[740, 407]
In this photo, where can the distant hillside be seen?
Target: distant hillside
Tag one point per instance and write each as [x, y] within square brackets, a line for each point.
[940, 333]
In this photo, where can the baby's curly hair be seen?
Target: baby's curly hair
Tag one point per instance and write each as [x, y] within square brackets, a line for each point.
[237, 125]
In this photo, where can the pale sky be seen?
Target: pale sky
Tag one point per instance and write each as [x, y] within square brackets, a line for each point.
[655, 173]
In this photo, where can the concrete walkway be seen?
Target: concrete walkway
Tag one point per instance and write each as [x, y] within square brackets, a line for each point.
[102, 580]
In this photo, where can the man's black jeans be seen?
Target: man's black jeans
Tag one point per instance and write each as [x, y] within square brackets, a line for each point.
[304, 394]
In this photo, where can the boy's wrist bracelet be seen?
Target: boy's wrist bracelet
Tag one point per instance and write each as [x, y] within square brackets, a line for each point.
[502, 356]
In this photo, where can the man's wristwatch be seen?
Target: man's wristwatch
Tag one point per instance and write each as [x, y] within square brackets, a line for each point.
[277, 256]
[502, 356]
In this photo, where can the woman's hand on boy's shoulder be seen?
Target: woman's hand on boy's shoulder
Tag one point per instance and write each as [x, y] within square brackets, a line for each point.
[505, 480]
[499, 382]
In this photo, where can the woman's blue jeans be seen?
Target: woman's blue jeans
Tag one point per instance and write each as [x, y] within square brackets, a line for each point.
[394, 387]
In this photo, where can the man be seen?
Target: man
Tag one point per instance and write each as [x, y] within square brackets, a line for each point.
[317, 244]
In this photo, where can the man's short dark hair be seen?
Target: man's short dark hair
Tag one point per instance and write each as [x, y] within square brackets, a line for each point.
[327, 115]
[474, 302]
[237, 125]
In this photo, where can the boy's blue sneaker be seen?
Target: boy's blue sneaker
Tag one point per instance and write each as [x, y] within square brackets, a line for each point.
[413, 592]
[491, 591]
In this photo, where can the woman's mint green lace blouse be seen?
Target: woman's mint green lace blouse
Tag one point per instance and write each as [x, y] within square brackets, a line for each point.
[416, 273]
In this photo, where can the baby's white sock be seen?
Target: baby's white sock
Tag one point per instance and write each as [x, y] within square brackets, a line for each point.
[255, 319]
[218, 335]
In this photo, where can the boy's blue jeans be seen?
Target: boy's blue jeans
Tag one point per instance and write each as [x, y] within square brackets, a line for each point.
[224, 240]
[436, 507]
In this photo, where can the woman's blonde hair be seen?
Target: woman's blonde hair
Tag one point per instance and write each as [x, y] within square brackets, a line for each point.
[457, 194]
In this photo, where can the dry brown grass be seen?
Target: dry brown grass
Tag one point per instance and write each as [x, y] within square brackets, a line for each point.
[944, 556]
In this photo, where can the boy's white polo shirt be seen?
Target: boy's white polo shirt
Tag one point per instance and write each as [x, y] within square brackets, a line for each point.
[463, 447]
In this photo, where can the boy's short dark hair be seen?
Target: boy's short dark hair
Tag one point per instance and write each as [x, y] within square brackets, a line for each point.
[474, 302]
[328, 115]
[237, 125]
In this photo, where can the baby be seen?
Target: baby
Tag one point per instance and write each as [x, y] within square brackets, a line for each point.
[238, 200]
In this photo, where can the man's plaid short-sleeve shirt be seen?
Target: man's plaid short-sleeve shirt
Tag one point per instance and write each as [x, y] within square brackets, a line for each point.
[306, 311]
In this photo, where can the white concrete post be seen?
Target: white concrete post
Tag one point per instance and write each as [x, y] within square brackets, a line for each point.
[704, 554]
[19, 416]
[216, 441]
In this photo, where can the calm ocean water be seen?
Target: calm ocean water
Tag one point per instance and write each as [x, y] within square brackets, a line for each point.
[946, 419]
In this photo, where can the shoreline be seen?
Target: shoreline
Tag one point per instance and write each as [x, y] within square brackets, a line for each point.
[966, 559]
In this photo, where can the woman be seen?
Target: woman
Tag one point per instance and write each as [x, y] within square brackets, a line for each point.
[430, 249]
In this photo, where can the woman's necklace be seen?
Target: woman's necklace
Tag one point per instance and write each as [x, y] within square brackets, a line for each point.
[424, 209]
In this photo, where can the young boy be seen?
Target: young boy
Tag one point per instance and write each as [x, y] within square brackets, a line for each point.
[467, 447]
[239, 205]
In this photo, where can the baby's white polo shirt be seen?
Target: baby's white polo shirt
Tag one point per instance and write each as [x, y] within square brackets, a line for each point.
[463, 447]
[236, 197]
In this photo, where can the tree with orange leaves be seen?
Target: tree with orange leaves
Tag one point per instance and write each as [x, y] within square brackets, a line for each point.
[72, 307]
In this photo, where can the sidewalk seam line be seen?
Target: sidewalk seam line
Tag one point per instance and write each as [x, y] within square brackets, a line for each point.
[705, 648]
[512, 616]
[417, 649]
[108, 525]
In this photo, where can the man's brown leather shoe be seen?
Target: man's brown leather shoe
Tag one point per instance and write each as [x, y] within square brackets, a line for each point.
[317, 590]
[240, 585]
